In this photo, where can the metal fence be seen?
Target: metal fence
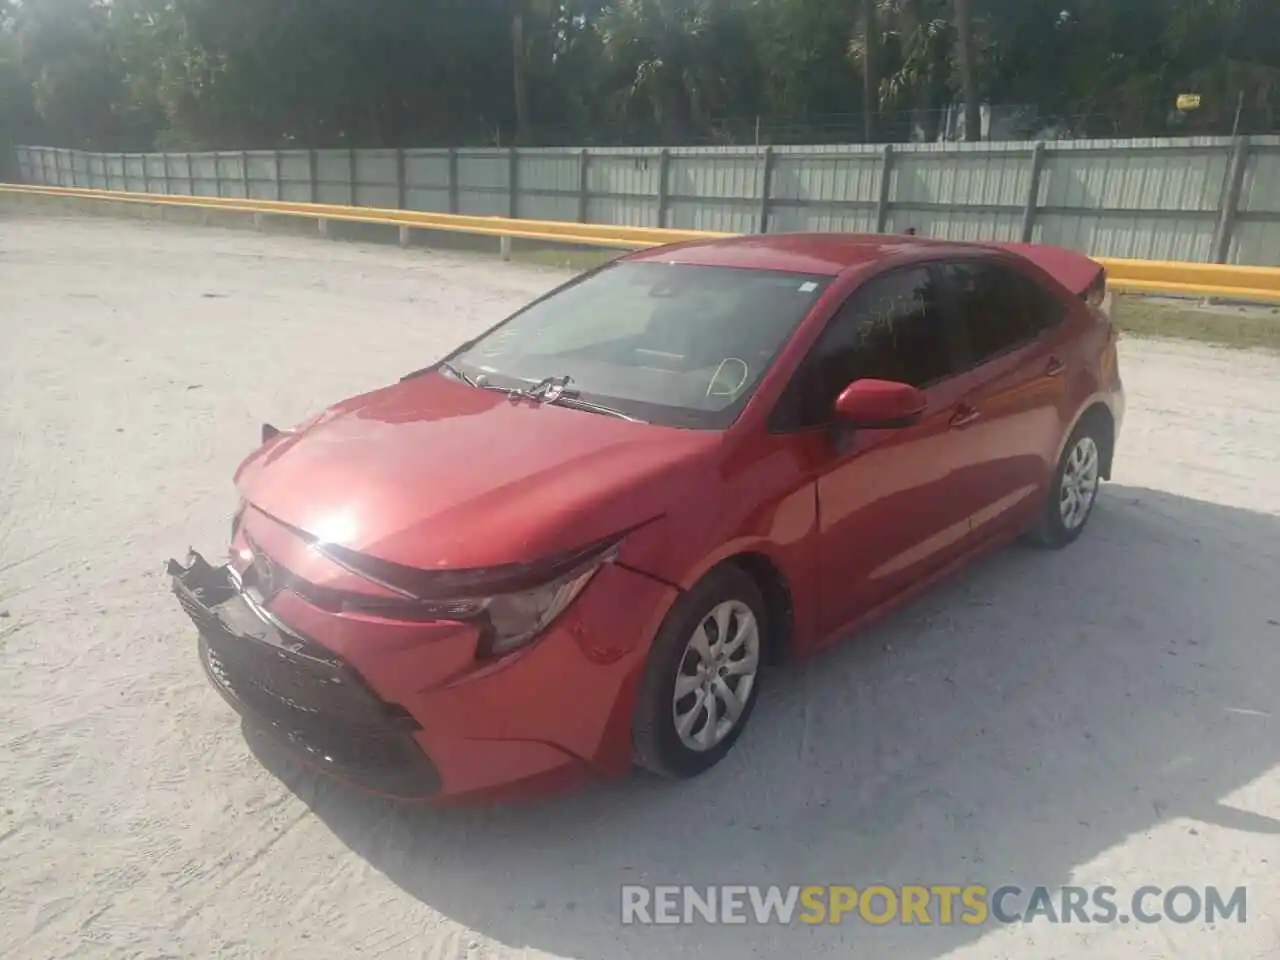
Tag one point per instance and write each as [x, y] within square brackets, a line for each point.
[1210, 200]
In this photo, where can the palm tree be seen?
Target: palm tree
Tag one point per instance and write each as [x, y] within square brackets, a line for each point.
[870, 65]
[518, 75]
[964, 56]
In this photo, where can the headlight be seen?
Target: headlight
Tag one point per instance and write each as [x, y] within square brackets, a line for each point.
[514, 619]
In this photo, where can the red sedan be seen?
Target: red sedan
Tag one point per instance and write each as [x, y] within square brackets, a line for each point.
[576, 543]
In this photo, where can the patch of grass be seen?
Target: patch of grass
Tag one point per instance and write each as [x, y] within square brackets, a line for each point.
[1241, 328]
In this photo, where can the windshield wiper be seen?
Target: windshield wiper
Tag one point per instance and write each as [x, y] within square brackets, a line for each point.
[546, 389]
[455, 372]
[573, 400]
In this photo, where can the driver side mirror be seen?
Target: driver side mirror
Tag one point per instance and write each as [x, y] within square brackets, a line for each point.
[880, 404]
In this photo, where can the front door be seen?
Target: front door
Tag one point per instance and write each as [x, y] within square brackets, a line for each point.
[887, 512]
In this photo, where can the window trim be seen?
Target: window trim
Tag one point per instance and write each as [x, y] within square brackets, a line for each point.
[962, 333]
[955, 346]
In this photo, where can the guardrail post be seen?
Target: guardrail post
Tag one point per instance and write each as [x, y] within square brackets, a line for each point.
[664, 186]
[453, 180]
[313, 159]
[513, 183]
[766, 189]
[1228, 206]
[584, 185]
[401, 193]
[882, 202]
[1033, 193]
[351, 169]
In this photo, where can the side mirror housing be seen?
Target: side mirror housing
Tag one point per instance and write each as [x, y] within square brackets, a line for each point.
[880, 404]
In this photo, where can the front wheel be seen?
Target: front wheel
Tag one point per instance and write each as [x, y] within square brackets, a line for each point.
[703, 676]
[1073, 492]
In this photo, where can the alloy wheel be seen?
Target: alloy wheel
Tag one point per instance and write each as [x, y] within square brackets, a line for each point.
[1079, 485]
[716, 675]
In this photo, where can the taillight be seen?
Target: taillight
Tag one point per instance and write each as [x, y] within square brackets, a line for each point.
[1097, 295]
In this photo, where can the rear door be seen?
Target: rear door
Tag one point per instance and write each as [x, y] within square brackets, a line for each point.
[1014, 345]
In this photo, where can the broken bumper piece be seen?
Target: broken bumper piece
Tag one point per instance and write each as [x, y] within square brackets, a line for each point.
[304, 695]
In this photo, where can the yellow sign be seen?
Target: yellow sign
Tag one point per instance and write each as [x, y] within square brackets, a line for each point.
[1188, 101]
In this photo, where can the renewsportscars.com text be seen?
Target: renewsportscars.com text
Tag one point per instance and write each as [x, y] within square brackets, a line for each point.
[937, 904]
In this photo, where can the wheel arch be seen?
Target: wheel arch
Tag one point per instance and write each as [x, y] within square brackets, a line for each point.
[1098, 413]
[779, 602]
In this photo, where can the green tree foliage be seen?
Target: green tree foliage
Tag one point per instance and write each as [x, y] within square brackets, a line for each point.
[136, 74]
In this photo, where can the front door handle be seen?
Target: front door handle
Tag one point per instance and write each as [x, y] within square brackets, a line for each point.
[1055, 367]
[964, 416]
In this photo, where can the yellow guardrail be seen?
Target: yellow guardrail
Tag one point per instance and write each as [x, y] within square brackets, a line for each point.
[1172, 278]
[589, 234]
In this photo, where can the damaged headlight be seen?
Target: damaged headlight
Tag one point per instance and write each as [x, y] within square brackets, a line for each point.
[514, 619]
[511, 605]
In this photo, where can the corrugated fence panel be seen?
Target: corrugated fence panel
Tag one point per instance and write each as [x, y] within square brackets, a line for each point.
[295, 176]
[484, 178]
[80, 175]
[426, 174]
[179, 173]
[376, 179]
[231, 173]
[1256, 238]
[204, 172]
[623, 187]
[825, 190]
[261, 169]
[717, 191]
[115, 171]
[1138, 199]
[135, 172]
[154, 173]
[333, 176]
[548, 184]
[957, 192]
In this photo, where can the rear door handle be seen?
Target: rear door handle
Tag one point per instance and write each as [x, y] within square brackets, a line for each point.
[964, 416]
[1055, 367]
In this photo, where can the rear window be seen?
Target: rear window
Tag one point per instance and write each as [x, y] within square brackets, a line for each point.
[1001, 308]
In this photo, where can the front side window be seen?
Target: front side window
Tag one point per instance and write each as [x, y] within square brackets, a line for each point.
[891, 328]
[674, 344]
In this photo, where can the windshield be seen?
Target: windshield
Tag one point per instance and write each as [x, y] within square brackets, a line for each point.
[668, 343]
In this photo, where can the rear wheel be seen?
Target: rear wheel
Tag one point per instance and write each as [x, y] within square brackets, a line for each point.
[1074, 490]
[703, 676]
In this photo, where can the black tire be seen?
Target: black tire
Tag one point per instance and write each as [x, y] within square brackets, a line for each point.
[1050, 530]
[656, 744]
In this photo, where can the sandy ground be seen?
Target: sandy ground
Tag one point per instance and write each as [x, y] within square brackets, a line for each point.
[1104, 715]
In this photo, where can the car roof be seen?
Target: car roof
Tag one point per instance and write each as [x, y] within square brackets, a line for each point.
[826, 254]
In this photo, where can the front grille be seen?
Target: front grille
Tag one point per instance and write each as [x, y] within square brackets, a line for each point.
[320, 707]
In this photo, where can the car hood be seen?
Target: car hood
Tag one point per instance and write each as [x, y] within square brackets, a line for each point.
[434, 474]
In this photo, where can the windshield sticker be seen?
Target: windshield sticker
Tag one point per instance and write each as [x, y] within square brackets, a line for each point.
[808, 287]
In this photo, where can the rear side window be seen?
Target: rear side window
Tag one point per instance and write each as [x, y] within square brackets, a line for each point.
[891, 328]
[1000, 308]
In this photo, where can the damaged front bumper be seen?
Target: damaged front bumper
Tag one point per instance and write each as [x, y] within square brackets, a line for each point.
[298, 691]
